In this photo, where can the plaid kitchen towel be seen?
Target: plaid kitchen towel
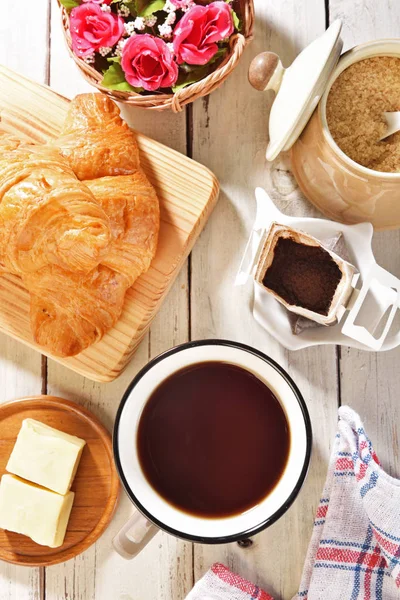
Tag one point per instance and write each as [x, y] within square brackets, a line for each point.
[354, 553]
[219, 583]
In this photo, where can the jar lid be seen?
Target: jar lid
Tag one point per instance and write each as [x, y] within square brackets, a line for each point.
[298, 88]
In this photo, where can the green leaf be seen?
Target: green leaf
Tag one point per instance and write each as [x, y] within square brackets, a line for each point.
[114, 79]
[150, 8]
[196, 74]
[69, 4]
[187, 68]
[114, 59]
[236, 20]
[218, 55]
[132, 5]
[189, 74]
[179, 86]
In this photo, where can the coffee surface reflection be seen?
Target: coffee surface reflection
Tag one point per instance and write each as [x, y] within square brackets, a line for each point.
[213, 440]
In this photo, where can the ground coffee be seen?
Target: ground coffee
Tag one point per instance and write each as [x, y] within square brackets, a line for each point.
[303, 275]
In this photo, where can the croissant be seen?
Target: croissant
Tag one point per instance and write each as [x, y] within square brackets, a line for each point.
[132, 207]
[95, 141]
[72, 310]
[47, 216]
[69, 312]
[79, 223]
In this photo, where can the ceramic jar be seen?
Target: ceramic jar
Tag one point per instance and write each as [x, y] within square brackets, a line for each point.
[341, 188]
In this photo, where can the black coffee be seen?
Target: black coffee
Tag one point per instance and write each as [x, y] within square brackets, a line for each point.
[213, 440]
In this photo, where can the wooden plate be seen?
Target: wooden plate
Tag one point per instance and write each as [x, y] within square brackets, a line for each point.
[187, 192]
[96, 484]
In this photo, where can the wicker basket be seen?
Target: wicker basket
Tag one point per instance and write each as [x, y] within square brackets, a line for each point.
[176, 101]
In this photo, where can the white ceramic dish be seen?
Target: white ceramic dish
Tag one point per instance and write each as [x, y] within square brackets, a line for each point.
[380, 291]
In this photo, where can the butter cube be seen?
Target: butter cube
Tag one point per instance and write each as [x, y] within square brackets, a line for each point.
[45, 456]
[34, 511]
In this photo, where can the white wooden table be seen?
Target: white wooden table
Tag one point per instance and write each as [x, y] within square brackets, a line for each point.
[228, 133]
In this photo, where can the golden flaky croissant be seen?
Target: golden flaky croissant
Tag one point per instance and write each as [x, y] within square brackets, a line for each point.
[81, 251]
[95, 140]
[47, 216]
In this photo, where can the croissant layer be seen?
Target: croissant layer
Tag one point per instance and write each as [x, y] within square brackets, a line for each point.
[95, 140]
[46, 214]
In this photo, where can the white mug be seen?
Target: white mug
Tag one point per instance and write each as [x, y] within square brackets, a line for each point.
[155, 513]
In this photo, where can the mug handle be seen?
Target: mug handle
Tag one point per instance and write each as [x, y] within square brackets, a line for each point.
[134, 536]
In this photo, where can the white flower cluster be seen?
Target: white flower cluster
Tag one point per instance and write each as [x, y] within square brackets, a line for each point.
[129, 28]
[165, 30]
[105, 8]
[139, 23]
[124, 11]
[119, 47]
[104, 50]
[89, 60]
[189, 4]
[169, 7]
[171, 18]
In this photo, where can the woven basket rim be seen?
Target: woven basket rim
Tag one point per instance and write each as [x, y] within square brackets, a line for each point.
[174, 101]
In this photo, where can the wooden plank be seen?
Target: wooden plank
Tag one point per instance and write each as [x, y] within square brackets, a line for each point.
[164, 569]
[65, 77]
[365, 20]
[20, 370]
[19, 583]
[187, 193]
[370, 381]
[230, 133]
[23, 47]
[24, 38]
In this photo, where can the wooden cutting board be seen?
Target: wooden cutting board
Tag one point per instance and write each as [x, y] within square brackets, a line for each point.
[96, 484]
[187, 192]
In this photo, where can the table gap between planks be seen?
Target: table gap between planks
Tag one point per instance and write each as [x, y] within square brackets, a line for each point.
[228, 133]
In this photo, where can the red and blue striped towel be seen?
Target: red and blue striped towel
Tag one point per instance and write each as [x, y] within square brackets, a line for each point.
[354, 553]
[219, 583]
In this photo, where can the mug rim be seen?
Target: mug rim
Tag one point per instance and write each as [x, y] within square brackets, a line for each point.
[296, 489]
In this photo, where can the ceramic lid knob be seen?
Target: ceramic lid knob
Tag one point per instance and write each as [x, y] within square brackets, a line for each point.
[266, 71]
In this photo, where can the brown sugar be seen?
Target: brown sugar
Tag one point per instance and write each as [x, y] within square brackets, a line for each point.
[355, 107]
[303, 275]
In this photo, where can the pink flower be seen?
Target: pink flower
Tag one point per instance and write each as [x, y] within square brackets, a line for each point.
[148, 63]
[197, 33]
[181, 3]
[99, 1]
[91, 28]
